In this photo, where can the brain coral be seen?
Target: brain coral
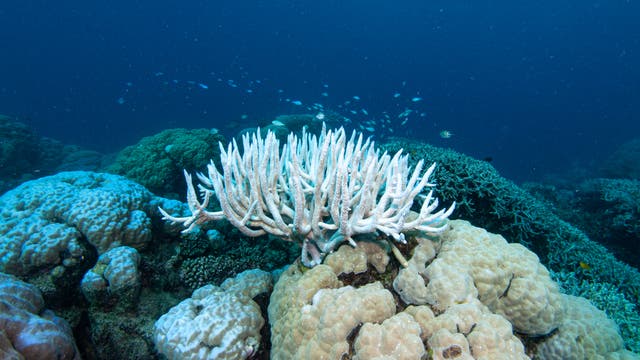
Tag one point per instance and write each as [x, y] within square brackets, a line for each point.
[157, 161]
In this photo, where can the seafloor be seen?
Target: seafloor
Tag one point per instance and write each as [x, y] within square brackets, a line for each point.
[90, 270]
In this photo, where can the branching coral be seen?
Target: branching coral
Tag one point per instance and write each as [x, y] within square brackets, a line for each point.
[318, 191]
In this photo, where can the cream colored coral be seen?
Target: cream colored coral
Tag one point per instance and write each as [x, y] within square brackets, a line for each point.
[422, 315]
[409, 283]
[377, 254]
[489, 336]
[447, 345]
[396, 338]
[347, 260]
[585, 333]
[508, 278]
[312, 314]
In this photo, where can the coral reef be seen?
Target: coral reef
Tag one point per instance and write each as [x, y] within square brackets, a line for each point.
[157, 161]
[458, 292]
[498, 205]
[315, 313]
[19, 150]
[624, 163]
[55, 239]
[24, 155]
[608, 210]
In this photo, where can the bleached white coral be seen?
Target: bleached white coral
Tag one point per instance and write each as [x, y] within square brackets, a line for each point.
[318, 191]
[215, 323]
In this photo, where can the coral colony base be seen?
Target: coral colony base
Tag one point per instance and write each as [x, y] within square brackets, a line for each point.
[317, 191]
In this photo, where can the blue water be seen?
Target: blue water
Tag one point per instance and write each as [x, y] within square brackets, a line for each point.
[538, 86]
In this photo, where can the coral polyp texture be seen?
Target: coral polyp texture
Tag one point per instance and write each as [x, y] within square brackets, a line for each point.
[27, 329]
[215, 323]
[317, 191]
[115, 277]
[55, 227]
[487, 299]
[51, 221]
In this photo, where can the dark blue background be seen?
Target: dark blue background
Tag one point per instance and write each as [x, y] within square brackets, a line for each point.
[539, 86]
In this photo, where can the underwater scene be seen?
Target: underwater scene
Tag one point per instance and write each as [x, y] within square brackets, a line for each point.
[367, 180]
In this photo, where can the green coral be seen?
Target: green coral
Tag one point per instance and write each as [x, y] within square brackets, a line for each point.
[157, 161]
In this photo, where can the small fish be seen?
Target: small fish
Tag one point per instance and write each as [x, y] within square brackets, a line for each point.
[248, 91]
[325, 86]
[446, 134]
[584, 265]
[370, 129]
[320, 116]
[296, 102]
[325, 94]
[364, 111]
[356, 97]
[244, 116]
[203, 86]
[159, 73]
[129, 84]
[191, 82]
[405, 113]
[416, 99]
[278, 123]
[120, 100]
[396, 95]
[404, 122]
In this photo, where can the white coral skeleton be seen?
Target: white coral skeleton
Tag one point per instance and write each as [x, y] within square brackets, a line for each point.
[317, 191]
